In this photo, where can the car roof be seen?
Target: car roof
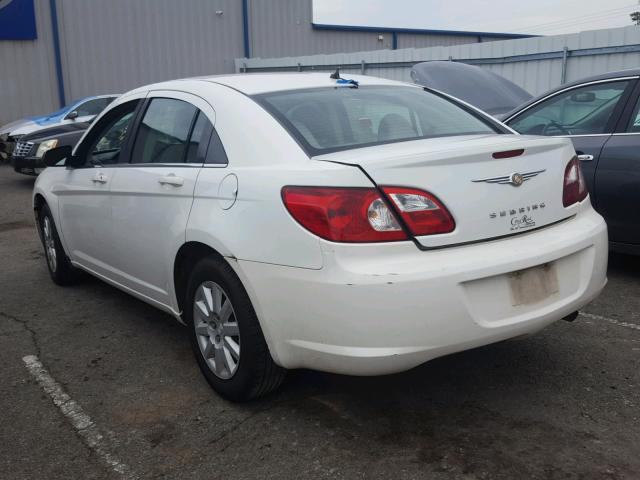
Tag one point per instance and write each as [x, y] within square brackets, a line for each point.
[631, 72]
[256, 83]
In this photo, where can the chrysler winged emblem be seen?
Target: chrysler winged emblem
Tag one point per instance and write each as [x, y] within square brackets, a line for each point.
[516, 179]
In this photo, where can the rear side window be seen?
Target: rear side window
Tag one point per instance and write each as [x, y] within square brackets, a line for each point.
[216, 153]
[164, 131]
[200, 135]
[325, 120]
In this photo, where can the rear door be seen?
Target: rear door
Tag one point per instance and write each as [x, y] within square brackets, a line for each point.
[618, 179]
[586, 113]
[152, 195]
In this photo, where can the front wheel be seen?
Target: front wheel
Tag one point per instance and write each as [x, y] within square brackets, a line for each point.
[59, 265]
[225, 334]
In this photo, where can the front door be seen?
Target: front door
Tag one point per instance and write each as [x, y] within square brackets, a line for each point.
[152, 196]
[84, 201]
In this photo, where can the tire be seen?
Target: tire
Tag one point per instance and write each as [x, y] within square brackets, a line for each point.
[216, 328]
[58, 264]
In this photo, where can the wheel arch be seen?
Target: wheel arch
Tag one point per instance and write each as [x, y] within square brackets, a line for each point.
[187, 256]
[38, 201]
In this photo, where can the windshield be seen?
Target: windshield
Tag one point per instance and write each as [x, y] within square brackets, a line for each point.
[325, 120]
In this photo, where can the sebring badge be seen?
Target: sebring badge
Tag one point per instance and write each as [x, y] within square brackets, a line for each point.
[515, 179]
[521, 217]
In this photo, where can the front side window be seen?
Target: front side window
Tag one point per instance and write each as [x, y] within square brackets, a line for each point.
[580, 111]
[164, 131]
[111, 134]
[326, 120]
[93, 107]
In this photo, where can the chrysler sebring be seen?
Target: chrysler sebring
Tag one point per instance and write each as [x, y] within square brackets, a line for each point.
[359, 226]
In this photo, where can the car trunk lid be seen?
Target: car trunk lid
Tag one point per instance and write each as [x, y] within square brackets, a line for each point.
[483, 193]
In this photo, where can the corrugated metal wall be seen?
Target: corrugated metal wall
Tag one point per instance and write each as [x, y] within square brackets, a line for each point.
[589, 53]
[111, 46]
[284, 28]
[412, 40]
[281, 28]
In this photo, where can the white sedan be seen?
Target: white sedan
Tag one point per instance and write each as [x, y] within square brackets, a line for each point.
[359, 226]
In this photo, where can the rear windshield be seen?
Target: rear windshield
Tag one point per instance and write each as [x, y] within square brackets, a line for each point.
[325, 120]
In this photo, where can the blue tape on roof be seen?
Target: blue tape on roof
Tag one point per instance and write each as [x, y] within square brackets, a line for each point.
[347, 82]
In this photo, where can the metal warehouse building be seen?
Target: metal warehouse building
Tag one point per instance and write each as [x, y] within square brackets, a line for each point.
[79, 48]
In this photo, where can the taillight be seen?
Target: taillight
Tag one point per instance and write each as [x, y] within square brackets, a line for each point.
[423, 213]
[575, 188]
[343, 214]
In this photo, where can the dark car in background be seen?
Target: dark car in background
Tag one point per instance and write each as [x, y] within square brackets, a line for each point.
[79, 111]
[601, 116]
[29, 150]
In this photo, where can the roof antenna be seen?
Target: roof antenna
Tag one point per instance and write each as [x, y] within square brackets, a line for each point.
[343, 81]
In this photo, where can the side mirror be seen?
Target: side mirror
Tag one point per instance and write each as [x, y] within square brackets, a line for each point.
[72, 115]
[53, 157]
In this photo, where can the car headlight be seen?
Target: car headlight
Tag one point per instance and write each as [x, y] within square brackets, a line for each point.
[46, 145]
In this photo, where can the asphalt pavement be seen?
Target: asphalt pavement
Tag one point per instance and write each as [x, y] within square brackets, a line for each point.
[563, 404]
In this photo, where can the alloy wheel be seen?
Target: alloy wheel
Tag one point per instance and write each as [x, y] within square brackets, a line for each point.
[49, 244]
[216, 329]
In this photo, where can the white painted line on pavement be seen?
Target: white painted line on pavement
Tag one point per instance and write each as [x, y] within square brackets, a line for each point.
[633, 326]
[79, 420]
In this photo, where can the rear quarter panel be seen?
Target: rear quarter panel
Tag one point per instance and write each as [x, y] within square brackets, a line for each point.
[264, 158]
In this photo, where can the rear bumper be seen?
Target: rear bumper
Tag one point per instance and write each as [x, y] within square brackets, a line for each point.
[378, 309]
[28, 165]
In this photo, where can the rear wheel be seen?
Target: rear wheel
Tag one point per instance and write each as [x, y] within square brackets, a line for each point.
[225, 334]
[58, 264]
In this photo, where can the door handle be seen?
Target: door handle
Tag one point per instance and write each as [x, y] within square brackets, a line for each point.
[171, 179]
[99, 178]
[585, 158]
